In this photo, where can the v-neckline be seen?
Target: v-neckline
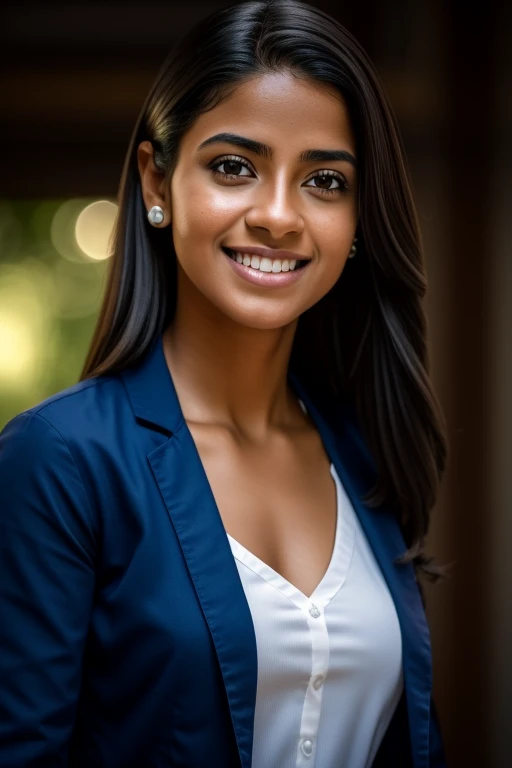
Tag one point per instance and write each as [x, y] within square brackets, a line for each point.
[334, 576]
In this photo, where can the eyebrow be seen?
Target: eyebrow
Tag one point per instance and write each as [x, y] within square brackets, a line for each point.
[307, 156]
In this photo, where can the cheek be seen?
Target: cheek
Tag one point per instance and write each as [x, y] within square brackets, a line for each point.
[201, 214]
[334, 238]
[335, 227]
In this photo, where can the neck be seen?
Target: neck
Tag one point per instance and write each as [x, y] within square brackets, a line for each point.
[227, 373]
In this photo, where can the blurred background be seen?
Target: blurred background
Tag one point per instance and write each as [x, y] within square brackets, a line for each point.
[73, 78]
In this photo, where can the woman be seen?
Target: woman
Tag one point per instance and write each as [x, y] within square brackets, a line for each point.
[210, 545]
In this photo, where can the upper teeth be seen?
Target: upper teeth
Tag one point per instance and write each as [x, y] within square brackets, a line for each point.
[264, 264]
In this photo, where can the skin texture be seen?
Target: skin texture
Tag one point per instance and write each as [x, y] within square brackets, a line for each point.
[229, 344]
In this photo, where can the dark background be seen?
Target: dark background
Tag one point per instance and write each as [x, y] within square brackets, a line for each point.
[73, 78]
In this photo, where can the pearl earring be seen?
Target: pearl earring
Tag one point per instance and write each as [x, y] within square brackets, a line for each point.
[156, 215]
[353, 249]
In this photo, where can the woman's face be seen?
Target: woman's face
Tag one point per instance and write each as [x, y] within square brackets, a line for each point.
[271, 199]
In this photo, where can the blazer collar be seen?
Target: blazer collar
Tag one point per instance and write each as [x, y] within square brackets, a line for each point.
[184, 486]
[151, 390]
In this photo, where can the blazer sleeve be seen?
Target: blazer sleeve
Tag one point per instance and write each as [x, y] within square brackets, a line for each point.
[47, 583]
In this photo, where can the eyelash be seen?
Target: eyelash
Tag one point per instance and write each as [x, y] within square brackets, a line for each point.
[234, 158]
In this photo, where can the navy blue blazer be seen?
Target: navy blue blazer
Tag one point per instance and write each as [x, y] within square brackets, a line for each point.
[125, 635]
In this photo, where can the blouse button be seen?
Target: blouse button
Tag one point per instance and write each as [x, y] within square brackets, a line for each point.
[307, 747]
[317, 682]
[314, 612]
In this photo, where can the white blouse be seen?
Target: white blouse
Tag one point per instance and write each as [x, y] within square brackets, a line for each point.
[329, 665]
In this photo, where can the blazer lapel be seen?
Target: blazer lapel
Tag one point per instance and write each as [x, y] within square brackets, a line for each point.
[187, 494]
[356, 470]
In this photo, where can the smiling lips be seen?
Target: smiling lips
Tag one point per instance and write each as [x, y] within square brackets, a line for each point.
[264, 271]
[266, 259]
[264, 264]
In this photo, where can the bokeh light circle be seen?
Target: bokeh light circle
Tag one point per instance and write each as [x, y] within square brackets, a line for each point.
[94, 227]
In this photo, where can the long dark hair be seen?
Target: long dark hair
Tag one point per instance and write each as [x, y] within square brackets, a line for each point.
[366, 341]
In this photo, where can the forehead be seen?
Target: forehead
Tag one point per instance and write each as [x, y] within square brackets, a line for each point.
[287, 113]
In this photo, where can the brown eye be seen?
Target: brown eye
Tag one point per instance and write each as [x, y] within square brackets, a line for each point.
[231, 166]
[326, 179]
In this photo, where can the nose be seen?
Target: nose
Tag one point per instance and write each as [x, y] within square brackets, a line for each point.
[276, 209]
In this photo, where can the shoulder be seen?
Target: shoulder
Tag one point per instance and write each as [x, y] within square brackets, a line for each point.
[59, 439]
[74, 413]
[73, 407]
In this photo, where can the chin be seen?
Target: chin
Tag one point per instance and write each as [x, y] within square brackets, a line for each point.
[261, 320]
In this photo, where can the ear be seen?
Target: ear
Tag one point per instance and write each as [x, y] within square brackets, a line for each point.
[152, 181]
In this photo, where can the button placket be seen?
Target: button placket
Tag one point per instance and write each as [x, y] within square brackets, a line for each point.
[310, 720]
